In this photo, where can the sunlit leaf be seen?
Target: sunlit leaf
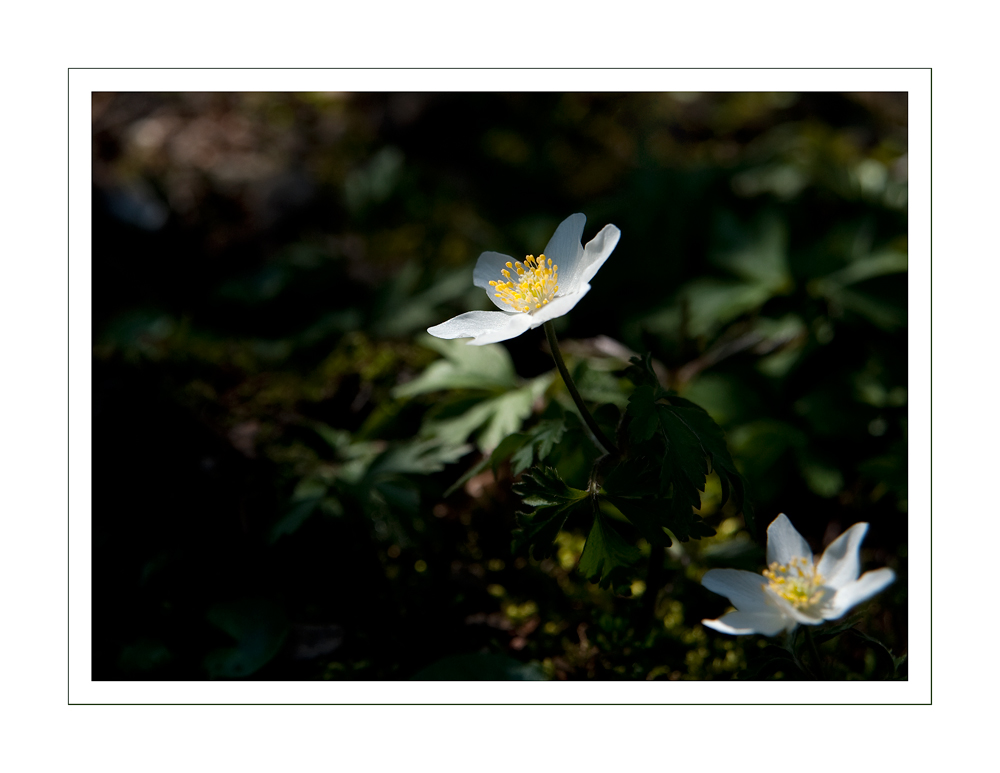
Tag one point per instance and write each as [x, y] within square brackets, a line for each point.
[551, 501]
[494, 418]
[462, 367]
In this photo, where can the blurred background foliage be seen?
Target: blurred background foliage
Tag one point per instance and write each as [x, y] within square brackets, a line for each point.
[292, 481]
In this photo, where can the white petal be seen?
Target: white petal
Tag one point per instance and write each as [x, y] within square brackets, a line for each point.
[740, 623]
[565, 242]
[558, 306]
[485, 327]
[840, 564]
[566, 251]
[784, 543]
[488, 268]
[745, 590]
[597, 251]
[861, 589]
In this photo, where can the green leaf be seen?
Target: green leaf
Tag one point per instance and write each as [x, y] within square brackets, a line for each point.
[419, 457]
[642, 412]
[686, 444]
[495, 418]
[606, 555]
[542, 437]
[641, 372]
[551, 501]
[293, 519]
[463, 367]
[259, 628]
[509, 445]
[598, 386]
[647, 515]
[477, 468]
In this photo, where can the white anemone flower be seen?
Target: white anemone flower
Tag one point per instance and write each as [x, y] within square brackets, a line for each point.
[531, 293]
[793, 589]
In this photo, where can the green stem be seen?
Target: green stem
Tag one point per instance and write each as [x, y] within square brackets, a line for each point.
[550, 334]
[815, 652]
[790, 646]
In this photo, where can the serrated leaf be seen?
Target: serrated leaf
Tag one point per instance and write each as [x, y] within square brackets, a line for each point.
[511, 447]
[689, 445]
[418, 456]
[606, 555]
[540, 440]
[495, 418]
[551, 501]
[641, 372]
[641, 410]
[463, 367]
[633, 487]
[508, 448]
[521, 459]
[685, 452]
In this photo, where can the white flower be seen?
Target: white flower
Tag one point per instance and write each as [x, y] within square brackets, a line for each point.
[529, 294]
[792, 589]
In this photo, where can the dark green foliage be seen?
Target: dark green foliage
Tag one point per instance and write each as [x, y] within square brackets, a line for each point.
[538, 443]
[551, 501]
[690, 445]
[606, 556]
[655, 485]
[279, 449]
[259, 628]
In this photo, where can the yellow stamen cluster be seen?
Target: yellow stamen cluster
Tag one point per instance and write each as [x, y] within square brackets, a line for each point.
[797, 582]
[533, 287]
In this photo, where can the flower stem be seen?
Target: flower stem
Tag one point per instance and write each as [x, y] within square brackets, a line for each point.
[815, 653]
[790, 646]
[550, 334]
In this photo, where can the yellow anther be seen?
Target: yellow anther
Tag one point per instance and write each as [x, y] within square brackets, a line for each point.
[797, 582]
[535, 284]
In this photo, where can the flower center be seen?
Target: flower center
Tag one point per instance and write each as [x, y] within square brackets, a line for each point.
[797, 582]
[533, 286]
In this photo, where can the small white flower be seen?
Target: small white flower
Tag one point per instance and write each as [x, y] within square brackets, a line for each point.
[529, 294]
[792, 589]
